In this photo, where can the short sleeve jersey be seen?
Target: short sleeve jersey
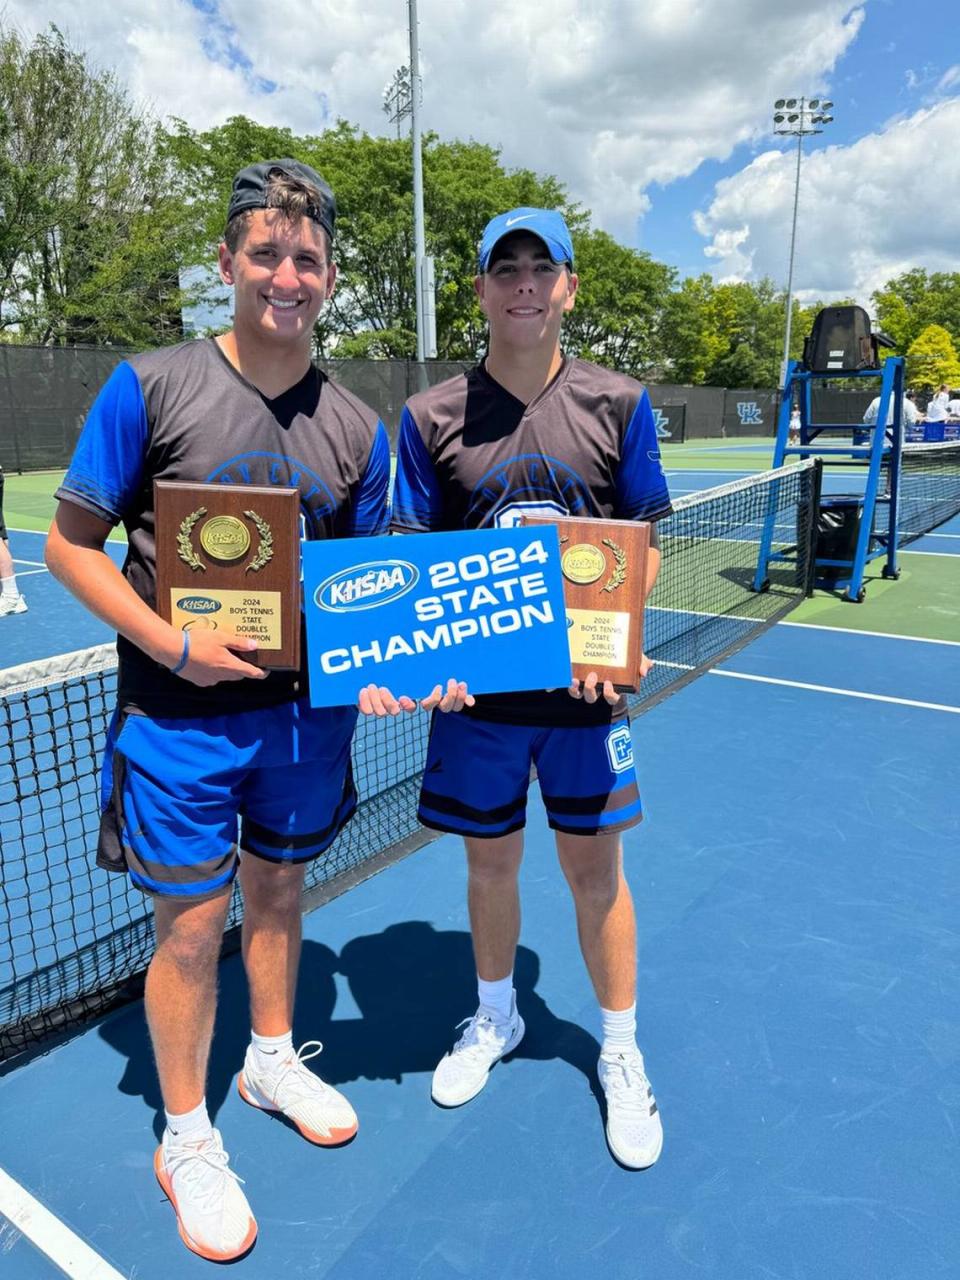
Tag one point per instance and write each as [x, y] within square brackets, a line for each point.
[184, 413]
[471, 455]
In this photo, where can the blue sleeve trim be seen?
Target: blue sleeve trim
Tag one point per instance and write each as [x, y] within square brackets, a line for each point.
[371, 515]
[642, 492]
[417, 504]
[106, 471]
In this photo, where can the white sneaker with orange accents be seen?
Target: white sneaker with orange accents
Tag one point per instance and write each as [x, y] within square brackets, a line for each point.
[320, 1113]
[212, 1212]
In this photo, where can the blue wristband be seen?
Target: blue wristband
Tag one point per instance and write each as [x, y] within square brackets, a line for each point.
[184, 657]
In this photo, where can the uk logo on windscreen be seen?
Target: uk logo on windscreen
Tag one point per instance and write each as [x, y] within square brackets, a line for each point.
[749, 413]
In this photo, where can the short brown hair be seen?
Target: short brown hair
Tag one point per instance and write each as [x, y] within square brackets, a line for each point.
[292, 198]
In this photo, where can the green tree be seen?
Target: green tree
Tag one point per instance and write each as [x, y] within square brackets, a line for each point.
[910, 302]
[932, 359]
[618, 315]
[91, 221]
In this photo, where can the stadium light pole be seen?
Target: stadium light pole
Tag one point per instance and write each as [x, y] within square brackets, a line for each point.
[423, 266]
[797, 118]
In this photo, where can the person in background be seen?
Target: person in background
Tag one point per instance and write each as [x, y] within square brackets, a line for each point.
[11, 601]
[793, 433]
[909, 416]
[937, 408]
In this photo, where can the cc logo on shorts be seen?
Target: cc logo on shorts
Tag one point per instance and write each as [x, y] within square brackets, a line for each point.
[620, 748]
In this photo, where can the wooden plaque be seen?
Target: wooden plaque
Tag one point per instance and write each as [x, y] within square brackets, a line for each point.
[228, 557]
[604, 565]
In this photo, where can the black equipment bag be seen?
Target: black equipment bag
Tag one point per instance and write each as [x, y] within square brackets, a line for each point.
[841, 341]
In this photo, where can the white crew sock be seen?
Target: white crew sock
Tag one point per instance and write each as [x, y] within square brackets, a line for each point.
[497, 996]
[619, 1029]
[8, 587]
[270, 1052]
[192, 1126]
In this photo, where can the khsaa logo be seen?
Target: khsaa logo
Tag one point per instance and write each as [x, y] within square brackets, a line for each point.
[366, 586]
[198, 604]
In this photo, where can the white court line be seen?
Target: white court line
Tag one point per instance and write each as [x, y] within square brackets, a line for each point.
[38, 563]
[844, 693]
[53, 1238]
[884, 635]
[944, 555]
[30, 573]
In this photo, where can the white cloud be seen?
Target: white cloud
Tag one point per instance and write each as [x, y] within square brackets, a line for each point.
[867, 211]
[608, 95]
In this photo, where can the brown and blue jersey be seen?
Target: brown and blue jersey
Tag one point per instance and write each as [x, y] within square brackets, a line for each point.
[471, 456]
[185, 413]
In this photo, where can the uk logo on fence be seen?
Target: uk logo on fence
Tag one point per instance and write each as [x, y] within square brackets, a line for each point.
[749, 413]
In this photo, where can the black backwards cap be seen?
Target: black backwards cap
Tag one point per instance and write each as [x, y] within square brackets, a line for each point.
[250, 190]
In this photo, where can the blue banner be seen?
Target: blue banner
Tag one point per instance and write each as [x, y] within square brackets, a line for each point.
[410, 612]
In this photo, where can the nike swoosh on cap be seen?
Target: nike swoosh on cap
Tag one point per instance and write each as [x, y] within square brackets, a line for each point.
[524, 217]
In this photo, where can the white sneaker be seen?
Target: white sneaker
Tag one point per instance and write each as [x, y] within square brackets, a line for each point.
[212, 1212]
[463, 1072]
[634, 1131]
[12, 604]
[320, 1113]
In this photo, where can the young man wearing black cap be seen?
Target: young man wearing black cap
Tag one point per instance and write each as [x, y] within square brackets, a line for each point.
[201, 736]
[530, 430]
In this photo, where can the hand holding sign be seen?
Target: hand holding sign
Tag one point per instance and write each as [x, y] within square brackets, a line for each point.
[387, 612]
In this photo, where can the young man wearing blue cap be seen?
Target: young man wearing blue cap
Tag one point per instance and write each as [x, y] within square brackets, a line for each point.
[202, 736]
[530, 430]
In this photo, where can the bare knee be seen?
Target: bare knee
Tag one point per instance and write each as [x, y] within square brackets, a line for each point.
[271, 890]
[592, 867]
[495, 861]
[190, 936]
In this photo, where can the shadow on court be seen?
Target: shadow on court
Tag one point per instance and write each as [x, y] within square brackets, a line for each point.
[412, 985]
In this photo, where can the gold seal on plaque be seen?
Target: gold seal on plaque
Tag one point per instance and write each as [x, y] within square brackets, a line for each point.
[225, 538]
[582, 563]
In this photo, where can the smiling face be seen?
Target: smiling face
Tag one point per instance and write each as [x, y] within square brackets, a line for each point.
[281, 275]
[524, 294]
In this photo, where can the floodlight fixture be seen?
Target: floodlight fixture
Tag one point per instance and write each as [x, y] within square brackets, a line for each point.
[813, 104]
[790, 103]
[780, 102]
[826, 106]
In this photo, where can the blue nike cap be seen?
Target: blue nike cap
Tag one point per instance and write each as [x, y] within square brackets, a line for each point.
[546, 224]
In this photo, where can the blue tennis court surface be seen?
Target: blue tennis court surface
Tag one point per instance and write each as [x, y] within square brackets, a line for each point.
[795, 886]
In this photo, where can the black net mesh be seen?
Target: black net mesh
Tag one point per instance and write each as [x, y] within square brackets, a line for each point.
[929, 488]
[74, 940]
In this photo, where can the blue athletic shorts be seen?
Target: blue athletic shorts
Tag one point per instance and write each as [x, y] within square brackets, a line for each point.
[477, 774]
[174, 790]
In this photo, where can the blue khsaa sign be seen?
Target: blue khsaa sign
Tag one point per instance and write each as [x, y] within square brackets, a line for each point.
[483, 605]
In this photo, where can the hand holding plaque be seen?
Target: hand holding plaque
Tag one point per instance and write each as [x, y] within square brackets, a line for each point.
[228, 558]
[604, 566]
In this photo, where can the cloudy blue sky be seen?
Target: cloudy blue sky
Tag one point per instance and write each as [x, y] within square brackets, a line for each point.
[656, 113]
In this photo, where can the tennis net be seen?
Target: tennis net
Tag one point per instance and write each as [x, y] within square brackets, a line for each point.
[929, 488]
[74, 941]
